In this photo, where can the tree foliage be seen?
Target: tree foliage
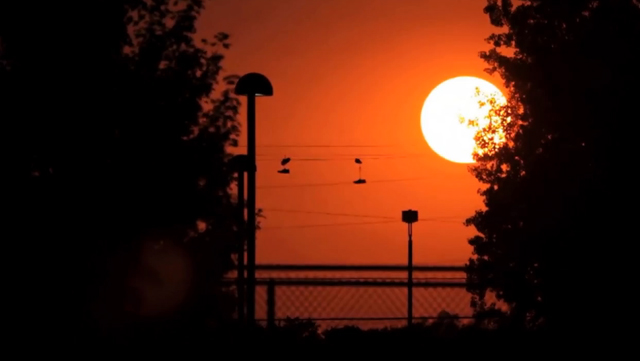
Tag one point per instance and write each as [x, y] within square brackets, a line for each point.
[553, 224]
[121, 123]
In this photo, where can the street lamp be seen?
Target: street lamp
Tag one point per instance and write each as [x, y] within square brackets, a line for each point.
[252, 85]
[410, 217]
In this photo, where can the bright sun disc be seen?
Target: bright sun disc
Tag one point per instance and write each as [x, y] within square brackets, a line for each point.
[445, 109]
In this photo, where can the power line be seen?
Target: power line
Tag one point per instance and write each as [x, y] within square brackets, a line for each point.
[338, 183]
[361, 155]
[352, 224]
[339, 158]
[329, 225]
[316, 146]
[438, 218]
[356, 223]
[329, 213]
[346, 155]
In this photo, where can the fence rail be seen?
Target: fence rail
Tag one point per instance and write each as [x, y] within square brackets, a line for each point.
[361, 268]
[356, 282]
[366, 296]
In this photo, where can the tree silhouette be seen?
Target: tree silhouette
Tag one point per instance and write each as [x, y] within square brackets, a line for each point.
[553, 224]
[121, 123]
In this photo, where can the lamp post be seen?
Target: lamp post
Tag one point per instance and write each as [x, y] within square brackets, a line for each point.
[252, 85]
[410, 217]
[240, 165]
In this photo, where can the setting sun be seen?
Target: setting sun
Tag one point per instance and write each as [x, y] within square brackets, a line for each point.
[454, 112]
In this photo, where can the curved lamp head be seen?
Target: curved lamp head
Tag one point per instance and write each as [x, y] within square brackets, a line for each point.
[254, 84]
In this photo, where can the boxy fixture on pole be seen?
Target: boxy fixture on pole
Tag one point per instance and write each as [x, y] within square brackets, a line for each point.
[410, 217]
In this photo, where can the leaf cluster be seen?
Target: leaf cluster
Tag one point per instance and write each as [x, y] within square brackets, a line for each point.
[121, 120]
[551, 187]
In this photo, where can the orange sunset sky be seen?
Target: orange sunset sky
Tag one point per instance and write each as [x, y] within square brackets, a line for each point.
[350, 73]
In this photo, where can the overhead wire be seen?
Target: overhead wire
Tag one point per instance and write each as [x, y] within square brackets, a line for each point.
[341, 154]
[273, 158]
[387, 219]
[315, 146]
[356, 215]
[338, 183]
[328, 225]
[352, 224]
[336, 157]
[341, 157]
[328, 213]
[377, 154]
[330, 156]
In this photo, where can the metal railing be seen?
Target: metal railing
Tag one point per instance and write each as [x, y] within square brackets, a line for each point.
[367, 296]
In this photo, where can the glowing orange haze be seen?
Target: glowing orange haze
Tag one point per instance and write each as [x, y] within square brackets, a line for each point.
[355, 73]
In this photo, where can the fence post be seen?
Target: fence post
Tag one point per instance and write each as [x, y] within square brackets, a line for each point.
[271, 304]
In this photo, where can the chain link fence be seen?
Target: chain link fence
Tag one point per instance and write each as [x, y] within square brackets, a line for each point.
[362, 296]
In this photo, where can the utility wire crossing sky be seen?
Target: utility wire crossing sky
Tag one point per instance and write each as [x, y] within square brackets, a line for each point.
[387, 219]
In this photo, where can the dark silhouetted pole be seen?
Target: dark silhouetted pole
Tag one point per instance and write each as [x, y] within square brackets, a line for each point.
[241, 246]
[410, 217]
[251, 209]
[410, 278]
[239, 165]
[271, 304]
[252, 85]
